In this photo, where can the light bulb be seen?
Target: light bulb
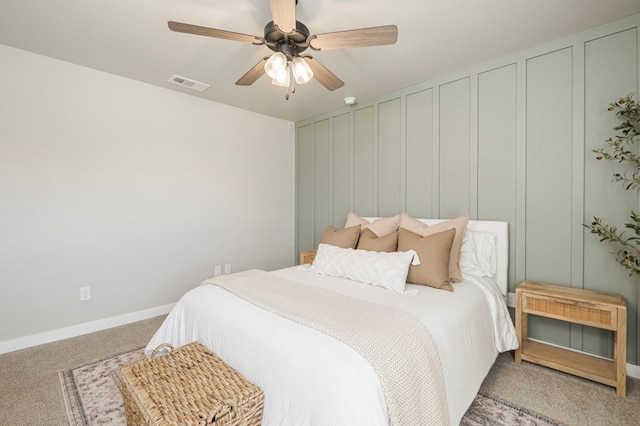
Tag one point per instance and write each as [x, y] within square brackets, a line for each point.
[301, 70]
[275, 65]
[283, 79]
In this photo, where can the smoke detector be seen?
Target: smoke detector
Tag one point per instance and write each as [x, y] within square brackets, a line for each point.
[350, 100]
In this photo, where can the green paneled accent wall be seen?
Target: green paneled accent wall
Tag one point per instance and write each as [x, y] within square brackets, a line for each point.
[321, 175]
[497, 131]
[365, 157]
[418, 177]
[510, 139]
[548, 179]
[610, 58]
[341, 165]
[454, 137]
[390, 150]
[304, 187]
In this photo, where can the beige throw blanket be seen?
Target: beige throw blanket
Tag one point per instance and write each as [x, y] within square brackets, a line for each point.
[397, 345]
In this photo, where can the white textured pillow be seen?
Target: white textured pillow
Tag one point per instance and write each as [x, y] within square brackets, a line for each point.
[382, 269]
[478, 254]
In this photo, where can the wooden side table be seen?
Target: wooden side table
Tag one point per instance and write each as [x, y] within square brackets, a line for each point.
[587, 307]
[307, 256]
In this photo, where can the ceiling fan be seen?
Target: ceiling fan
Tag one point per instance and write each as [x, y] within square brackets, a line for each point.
[288, 38]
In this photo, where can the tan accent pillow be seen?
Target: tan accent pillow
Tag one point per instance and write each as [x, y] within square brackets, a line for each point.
[344, 237]
[460, 225]
[433, 251]
[371, 242]
[380, 227]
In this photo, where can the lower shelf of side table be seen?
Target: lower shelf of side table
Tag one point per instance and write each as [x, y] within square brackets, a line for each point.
[579, 364]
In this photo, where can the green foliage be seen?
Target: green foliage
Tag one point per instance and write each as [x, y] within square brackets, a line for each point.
[622, 149]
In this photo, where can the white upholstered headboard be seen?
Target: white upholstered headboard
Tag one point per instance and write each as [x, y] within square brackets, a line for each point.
[501, 230]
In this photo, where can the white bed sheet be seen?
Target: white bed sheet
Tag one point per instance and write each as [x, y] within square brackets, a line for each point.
[310, 378]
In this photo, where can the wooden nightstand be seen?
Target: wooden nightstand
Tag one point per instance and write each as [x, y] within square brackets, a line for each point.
[586, 307]
[307, 256]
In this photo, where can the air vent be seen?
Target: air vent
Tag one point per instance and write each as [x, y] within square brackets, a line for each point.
[188, 83]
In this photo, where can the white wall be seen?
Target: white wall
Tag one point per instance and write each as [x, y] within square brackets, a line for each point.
[131, 189]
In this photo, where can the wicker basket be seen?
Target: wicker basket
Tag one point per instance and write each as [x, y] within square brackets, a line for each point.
[189, 386]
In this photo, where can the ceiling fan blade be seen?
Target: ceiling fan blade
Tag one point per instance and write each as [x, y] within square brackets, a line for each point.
[284, 15]
[253, 74]
[322, 74]
[213, 32]
[375, 36]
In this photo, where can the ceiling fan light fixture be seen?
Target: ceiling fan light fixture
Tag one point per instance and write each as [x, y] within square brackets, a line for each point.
[301, 70]
[276, 65]
[283, 79]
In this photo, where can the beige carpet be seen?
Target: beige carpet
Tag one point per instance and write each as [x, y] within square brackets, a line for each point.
[31, 394]
[31, 391]
[563, 397]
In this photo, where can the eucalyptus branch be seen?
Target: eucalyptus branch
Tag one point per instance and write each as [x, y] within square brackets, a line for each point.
[609, 233]
[619, 155]
[635, 226]
[617, 152]
[628, 183]
[628, 258]
[628, 261]
[621, 148]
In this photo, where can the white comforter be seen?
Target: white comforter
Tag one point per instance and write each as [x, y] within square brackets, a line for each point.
[310, 378]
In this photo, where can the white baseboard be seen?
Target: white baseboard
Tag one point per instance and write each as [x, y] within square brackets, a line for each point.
[633, 371]
[80, 329]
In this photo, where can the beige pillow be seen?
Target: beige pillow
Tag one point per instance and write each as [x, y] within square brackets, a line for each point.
[371, 242]
[345, 237]
[433, 251]
[380, 227]
[460, 225]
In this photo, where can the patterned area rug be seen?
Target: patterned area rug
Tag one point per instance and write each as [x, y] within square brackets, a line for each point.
[488, 410]
[93, 391]
[92, 394]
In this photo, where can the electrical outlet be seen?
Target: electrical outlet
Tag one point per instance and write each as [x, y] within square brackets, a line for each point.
[511, 300]
[85, 294]
[227, 268]
[217, 270]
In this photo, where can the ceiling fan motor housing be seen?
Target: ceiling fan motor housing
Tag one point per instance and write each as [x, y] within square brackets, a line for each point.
[290, 44]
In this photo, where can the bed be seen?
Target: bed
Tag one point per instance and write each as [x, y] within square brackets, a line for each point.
[310, 377]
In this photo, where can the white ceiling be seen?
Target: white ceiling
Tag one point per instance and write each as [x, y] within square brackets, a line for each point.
[130, 38]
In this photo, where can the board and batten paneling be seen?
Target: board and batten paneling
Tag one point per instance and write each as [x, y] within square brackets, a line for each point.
[365, 154]
[497, 138]
[614, 59]
[321, 178]
[304, 187]
[548, 179]
[454, 190]
[341, 169]
[389, 158]
[419, 153]
[509, 139]
[548, 167]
